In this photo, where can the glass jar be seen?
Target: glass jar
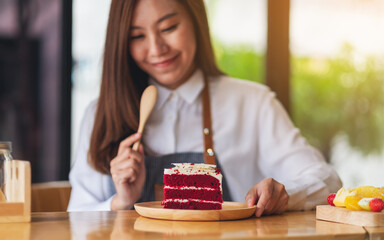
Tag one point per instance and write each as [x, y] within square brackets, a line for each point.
[5, 163]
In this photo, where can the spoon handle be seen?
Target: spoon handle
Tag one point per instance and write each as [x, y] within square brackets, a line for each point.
[136, 145]
[147, 103]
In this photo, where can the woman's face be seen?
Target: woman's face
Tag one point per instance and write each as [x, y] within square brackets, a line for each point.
[162, 41]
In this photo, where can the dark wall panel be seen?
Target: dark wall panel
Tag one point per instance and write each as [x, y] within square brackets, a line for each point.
[35, 84]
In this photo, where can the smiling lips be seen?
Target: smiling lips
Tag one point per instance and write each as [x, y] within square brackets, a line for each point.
[165, 63]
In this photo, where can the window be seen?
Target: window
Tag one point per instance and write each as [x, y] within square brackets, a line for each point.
[239, 31]
[89, 25]
[337, 79]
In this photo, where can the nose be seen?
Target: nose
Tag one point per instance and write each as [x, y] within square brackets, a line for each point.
[157, 46]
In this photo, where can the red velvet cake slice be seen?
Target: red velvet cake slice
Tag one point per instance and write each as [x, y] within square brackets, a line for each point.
[192, 186]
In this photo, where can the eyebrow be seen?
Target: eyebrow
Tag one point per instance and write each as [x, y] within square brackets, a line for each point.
[169, 15]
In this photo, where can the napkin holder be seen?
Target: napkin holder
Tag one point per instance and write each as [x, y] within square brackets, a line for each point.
[17, 208]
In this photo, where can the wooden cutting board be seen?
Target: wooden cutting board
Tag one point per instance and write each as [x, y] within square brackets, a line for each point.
[343, 215]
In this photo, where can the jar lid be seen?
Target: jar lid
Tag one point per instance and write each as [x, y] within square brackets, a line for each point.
[6, 145]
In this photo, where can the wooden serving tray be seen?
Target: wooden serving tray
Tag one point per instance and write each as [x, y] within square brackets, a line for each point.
[230, 211]
[343, 215]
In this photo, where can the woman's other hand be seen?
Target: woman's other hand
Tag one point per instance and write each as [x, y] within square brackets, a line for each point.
[128, 173]
[269, 196]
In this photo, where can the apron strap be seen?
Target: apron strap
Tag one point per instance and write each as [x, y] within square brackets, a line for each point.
[209, 154]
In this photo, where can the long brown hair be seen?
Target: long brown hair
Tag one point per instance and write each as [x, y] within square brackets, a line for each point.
[123, 82]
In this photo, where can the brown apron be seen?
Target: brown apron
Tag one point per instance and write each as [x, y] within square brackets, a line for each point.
[153, 188]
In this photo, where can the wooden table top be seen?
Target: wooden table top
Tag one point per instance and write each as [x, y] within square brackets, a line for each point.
[375, 233]
[130, 225]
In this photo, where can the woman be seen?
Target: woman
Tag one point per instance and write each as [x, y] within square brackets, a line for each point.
[246, 131]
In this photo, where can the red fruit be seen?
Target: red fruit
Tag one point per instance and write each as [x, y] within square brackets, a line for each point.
[376, 205]
[330, 199]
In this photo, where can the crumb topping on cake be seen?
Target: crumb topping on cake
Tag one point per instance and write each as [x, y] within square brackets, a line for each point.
[194, 169]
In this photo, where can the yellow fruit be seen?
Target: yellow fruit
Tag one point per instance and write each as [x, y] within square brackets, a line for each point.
[364, 203]
[340, 197]
[352, 201]
[351, 198]
[369, 192]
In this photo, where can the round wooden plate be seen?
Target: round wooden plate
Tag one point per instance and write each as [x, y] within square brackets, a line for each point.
[230, 211]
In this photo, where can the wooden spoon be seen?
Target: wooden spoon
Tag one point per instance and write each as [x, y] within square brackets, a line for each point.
[147, 103]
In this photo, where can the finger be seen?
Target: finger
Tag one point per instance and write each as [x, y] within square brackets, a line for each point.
[136, 156]
[283, 203]
[123, 156]
[265, 197]
[272, 203]
[141, 149]
[125, 165]
[127, 143]
[279, 197]
[130, 175]
[121, 160]
[132, 178]
[251, 197]
[126, 155]
[121, 168]
[125, 175]
[278, 191]
[132, 154]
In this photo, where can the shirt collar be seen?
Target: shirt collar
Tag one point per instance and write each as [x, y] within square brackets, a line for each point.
[189, 91]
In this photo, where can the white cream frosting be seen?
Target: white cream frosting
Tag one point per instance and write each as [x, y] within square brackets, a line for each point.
[190, 188]
[195, 169]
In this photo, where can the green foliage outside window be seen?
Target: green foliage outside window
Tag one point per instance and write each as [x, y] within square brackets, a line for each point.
[240, 61]
[329, 97]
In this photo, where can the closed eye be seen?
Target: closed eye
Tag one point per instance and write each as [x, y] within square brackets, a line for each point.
[170, 28]
[137, 36]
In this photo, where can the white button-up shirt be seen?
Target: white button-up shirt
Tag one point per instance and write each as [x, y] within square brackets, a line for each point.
[253, 139]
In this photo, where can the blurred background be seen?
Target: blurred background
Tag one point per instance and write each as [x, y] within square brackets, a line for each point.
[323, 58]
